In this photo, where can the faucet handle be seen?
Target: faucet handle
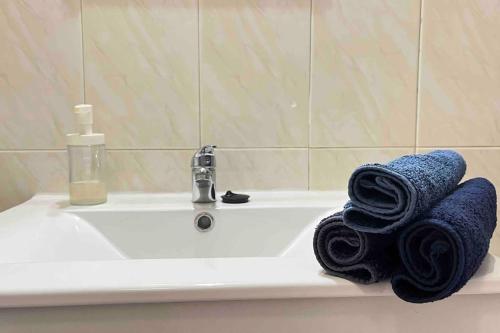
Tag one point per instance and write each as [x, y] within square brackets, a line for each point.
[204, 157]
[207, 149]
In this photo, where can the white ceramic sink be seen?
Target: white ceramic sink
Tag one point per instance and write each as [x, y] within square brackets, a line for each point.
[153, 226]
[238, 232]
[145, 248]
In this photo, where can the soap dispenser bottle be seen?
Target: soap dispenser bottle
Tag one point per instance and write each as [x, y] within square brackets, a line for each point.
[87, 161]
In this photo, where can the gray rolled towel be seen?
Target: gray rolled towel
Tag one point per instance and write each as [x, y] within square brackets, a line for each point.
[354, 255]
[386, 197]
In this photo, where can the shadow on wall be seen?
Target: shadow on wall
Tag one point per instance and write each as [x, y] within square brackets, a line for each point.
[22, 175]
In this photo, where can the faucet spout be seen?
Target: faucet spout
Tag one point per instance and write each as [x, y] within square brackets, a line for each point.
[203, 175]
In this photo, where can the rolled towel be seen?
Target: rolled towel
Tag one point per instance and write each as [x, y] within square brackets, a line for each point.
[446, 245]
[386, 197]
[354, 255]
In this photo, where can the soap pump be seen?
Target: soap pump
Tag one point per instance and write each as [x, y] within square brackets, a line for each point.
[87, 158]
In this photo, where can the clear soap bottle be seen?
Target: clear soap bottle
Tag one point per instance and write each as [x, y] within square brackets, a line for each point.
[87, 161]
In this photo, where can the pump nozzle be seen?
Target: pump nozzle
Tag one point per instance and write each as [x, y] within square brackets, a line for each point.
[84, 119]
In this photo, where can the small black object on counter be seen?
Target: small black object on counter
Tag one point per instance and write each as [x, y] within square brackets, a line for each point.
[234, 198]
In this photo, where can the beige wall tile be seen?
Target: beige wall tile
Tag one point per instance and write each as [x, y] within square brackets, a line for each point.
[260, 169]
[23, 174]
[364, 72]
[330, 169]
[482, 162]
[460, 73]
[141, 71]
[255, 72]
[27, 173]
[40, 72]
[150, 170]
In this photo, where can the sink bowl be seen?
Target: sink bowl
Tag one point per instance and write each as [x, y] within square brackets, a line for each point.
[235, 232]
[160, 226]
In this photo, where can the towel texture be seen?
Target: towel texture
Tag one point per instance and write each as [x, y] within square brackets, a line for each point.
[386, 197]
[354, 255]
[446, 245]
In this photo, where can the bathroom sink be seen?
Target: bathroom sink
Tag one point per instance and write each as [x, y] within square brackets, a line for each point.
[240, 232]
[156, 226]
[142, 248]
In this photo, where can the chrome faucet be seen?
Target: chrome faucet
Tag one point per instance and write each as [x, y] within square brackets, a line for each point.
[203, 175]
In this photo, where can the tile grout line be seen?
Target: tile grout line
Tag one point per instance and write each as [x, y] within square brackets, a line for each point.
[361, 147]
[199, 74]
[309, 110]
[83, 53]
[419, 61]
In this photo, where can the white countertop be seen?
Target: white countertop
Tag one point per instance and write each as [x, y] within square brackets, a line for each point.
[25, 284]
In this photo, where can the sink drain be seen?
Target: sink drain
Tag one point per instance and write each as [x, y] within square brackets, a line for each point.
[204, 222]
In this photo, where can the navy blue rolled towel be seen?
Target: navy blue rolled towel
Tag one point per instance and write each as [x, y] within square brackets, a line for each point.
[386, 197]
[446, 245]
[354, 255]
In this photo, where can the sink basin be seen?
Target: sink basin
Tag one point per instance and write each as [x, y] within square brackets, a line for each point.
[159, 226]
[240, 232]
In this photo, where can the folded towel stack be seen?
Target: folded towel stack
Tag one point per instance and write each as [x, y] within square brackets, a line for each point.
[409, 217]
